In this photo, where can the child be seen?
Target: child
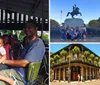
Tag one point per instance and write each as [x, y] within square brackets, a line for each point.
[2, 54]
[2, 51]
[11, 81]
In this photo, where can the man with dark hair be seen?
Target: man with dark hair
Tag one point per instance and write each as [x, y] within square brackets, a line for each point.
[34, 52]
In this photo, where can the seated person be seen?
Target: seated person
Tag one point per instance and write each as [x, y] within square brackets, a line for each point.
[2, 55]
[15, 47]
[68, 35]
[7, 46]
[33, 52]
[62, 33]
[2, 51]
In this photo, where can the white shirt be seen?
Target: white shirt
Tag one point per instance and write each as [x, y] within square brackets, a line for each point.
[84, 28]
[2, 51]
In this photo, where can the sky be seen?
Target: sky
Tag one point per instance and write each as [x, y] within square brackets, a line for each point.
[93, 47]
[90, 9]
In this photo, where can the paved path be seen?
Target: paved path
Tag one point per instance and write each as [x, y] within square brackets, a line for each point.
[94, 39]
[93, 82]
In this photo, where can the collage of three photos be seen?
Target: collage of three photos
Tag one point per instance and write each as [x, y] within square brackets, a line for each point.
[49, 42]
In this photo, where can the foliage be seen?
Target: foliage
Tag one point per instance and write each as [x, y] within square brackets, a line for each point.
[56, 57]
[45, 37]
[22, 35]
[83, 58]
[51, 64]
[13, 32]
[99, 19]
[91, 56]
[95, 62]
[60, 60]
[54, 24]
[69, 58]
[86, 53]
[51, 60]
[94, 23]
[10, 32]
[96, 58]
[63, 53]
[89, 59]
[76, 50]
[99, 63]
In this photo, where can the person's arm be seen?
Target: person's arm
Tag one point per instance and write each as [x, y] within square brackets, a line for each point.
[3, 57]
[17, 63]
[6, 79]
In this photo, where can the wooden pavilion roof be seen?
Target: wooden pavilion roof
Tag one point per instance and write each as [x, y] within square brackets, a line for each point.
[15, 13]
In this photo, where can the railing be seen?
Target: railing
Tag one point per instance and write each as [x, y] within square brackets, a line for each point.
[76, 61]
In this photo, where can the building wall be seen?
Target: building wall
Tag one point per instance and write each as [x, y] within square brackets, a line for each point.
[86, 72]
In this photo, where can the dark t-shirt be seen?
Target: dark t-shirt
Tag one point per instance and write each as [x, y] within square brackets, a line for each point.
[33, 52]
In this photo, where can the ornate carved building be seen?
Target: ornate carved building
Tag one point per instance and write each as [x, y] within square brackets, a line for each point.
[75, 59]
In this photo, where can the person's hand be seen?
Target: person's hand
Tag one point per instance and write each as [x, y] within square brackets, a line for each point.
[1, 76]
[2, 61]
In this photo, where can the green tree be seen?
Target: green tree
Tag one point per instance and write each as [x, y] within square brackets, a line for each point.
[45, 37]
[10, 32]
[91, 57]
[54, 24]
[51, 62]
[94, 23]
[99, 62]
[96, 60]
[63, 53]
[83, 58]
[76, 51]
[99, 19]
[86, 53]
[21, 35]
[56, 58]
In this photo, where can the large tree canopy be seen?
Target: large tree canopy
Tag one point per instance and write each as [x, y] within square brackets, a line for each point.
[54, 24]
[94, 23]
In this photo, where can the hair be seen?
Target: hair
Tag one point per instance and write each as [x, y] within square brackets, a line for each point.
[32, 22]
